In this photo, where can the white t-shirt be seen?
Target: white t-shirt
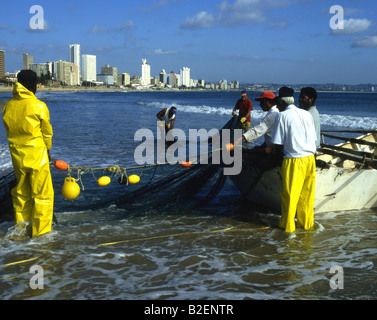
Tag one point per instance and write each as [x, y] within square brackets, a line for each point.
[294, 128]
[265, 127]
[166, 118]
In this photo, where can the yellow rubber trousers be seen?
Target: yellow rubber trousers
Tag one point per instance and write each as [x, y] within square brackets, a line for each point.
[27, 123]
[33, 197]
[298, 193]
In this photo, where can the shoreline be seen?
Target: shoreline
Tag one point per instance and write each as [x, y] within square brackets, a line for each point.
[114, 89]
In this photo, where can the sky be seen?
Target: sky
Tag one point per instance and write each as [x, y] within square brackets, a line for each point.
[250, 41]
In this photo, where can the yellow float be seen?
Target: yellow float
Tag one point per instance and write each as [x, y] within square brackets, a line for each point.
[133, 179]
[104, 181]
[70, 189]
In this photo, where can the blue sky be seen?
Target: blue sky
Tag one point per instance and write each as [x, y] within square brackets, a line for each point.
[255, 41]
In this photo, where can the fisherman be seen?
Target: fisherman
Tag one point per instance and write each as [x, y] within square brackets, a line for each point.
[168, 116]
[294, 132]
[27, 123]
[264, 128]
[307, 99]
[257, 155]
[245, 106]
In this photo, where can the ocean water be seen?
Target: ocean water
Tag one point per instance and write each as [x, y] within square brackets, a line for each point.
[225, 250]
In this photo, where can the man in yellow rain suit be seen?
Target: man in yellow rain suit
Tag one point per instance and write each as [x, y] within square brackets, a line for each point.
[27, 123]
[294, 130]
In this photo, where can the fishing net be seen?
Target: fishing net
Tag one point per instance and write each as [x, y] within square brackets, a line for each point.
[179, 187]
[7, 182]
[162, 187]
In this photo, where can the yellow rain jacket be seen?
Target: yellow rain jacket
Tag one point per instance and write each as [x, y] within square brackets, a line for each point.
[27, 123]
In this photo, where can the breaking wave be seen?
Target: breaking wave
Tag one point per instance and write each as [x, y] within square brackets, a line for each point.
[329, 120]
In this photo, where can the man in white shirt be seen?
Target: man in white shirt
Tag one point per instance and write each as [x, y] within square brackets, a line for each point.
[294, 130]
[258, 156]
[307, 99]
[264, 128]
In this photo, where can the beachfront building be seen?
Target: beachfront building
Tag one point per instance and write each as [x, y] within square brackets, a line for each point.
[201, 83]
[145, 73]
[234, 85]
[113, 71]
[124, 79]
[41, 68]
[106, 79]
[163, 77]
[89, 68]
[74, 57]
[66, 73]
[223, 84]
[27, 60]
[2, 63]
[173, 80]
[185, 79]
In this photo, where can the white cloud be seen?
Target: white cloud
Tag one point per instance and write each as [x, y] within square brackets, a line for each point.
[241, 11]
[154, 6]
[353, 26]
[365, 42]
[202, 20]
[233, 14]
[162, 52]
[128, 25]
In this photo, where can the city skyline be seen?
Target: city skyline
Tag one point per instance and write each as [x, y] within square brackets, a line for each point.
[251, 41]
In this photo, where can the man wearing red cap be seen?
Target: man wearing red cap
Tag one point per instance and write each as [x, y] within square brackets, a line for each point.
[264, 128]
[260, 157]
[245, 106]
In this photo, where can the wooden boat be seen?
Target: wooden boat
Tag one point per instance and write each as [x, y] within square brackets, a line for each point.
[346, 176]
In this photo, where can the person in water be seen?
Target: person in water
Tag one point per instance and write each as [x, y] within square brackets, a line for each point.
[245, 106]
[168, 116]
[27, 123]
[294, 132]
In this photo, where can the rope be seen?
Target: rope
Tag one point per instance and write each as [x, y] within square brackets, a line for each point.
[118, 171]
[19, 262]
[177, 235]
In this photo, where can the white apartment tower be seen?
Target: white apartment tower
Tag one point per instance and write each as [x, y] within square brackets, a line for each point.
[74, 57]
[185, 77]
[145, 73]
[89, 68]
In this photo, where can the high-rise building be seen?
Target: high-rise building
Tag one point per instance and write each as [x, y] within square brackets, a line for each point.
[173, 79]
[2, 63]
[223, 84]
[89, 68]
[66, 72]
[74, 57]
[41, 68]
[185, 77]
[145, 73]
[113, 71]
[163, 77]
[27, 60]
[124, 79]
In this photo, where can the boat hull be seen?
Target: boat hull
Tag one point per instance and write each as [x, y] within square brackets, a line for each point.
[336, 188]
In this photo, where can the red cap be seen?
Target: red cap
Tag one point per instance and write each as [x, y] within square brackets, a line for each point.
[266, 95]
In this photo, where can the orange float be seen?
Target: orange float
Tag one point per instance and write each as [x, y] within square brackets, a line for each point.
[61, 165]
[229, 146]
[186, 164]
